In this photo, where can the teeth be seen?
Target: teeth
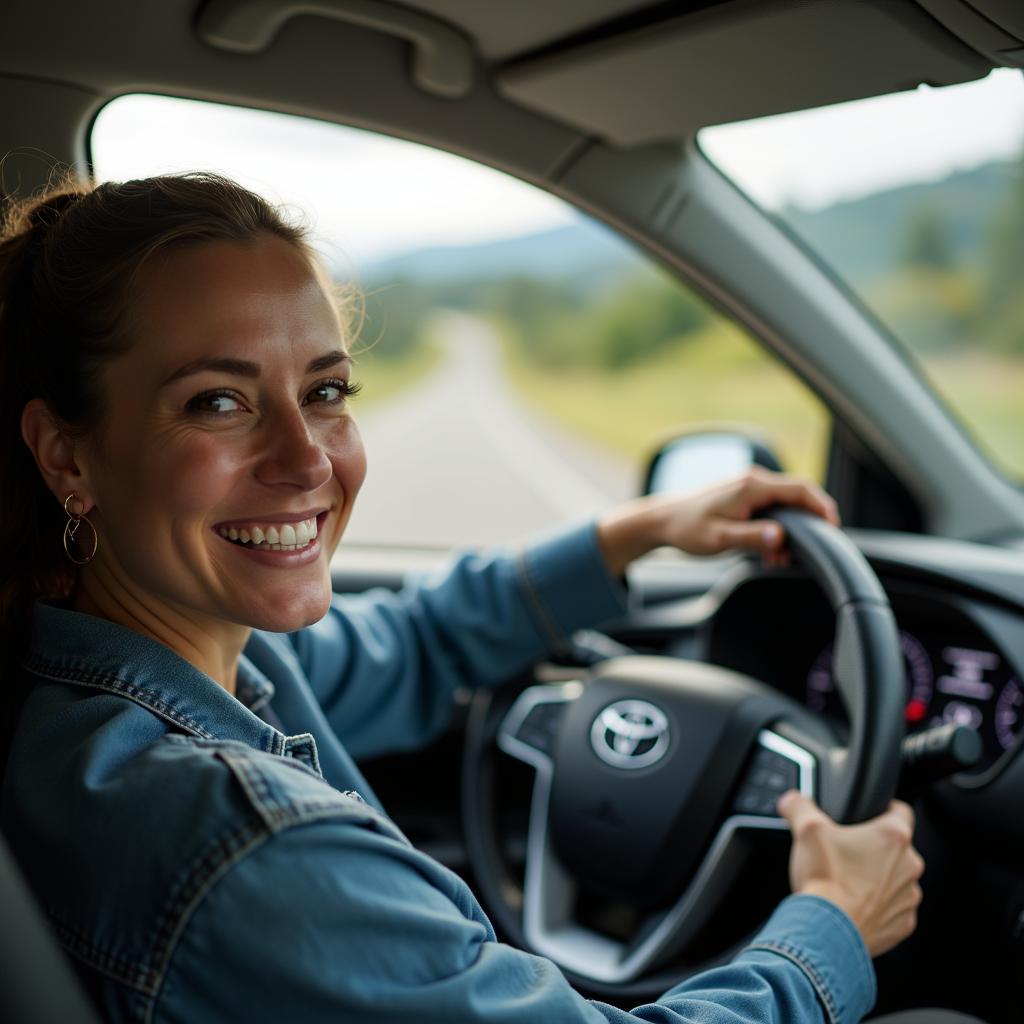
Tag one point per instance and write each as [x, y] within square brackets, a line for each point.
[286, 537]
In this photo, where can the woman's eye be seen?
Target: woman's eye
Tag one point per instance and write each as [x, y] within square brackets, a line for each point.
[332, 392]
[214, 402]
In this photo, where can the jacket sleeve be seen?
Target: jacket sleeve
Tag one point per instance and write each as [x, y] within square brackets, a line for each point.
[331, 923]
[384, 666]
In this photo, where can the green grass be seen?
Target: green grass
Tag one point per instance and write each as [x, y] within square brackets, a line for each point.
[986, 391]
[715, 375]
[718, 375]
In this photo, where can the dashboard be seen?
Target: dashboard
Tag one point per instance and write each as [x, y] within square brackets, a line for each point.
[780, 630]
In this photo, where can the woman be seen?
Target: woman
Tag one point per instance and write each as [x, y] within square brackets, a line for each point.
[179, 464]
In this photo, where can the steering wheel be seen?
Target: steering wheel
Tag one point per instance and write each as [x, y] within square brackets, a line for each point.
[650, 772]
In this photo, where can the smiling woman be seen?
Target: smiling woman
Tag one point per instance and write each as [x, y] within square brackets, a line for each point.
[179, 463]
[225, 371]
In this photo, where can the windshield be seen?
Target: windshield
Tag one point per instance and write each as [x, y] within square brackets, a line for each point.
[917, 201]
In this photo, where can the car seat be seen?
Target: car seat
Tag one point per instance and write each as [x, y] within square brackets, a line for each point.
[38, 983]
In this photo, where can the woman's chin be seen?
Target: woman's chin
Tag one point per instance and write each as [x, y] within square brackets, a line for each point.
[287, 613]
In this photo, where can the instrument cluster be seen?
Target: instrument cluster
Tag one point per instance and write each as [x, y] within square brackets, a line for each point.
[946, 681]
[781, 631]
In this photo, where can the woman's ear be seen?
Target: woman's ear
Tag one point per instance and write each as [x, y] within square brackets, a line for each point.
[54, 453]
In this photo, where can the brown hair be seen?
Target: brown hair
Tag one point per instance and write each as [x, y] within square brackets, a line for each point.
[69, 262]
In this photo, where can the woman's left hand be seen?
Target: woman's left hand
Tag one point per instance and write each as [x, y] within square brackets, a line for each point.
[711, 520]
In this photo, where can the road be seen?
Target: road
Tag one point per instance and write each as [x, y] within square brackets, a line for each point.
[459, 460]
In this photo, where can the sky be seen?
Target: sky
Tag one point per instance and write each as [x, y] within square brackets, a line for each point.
[370, 197]
[814, 158]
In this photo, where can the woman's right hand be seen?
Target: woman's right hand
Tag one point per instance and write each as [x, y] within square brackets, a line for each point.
[870, 870]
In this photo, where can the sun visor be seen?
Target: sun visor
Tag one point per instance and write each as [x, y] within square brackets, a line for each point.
[738, 61]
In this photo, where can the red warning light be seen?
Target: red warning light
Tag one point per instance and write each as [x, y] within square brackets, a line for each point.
[916, 710]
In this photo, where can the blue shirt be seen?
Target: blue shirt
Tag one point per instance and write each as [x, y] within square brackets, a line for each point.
[198, 864]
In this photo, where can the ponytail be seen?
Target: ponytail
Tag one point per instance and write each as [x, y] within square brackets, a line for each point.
[28, 564]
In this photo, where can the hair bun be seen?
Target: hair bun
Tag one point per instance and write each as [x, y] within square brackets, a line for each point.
[42, 216]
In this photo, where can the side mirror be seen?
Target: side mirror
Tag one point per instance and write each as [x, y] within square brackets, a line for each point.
[705, 455]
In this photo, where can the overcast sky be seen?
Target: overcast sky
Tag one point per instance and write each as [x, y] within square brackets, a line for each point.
[370, 196]
[816, 157]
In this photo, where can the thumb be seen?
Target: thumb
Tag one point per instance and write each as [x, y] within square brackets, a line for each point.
[798, 810]
[753, 534]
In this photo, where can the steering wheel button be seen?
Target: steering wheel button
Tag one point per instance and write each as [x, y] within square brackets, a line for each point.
[748, 802]
[770, 779]
[540, 726]
[771, 761]
[756, 800]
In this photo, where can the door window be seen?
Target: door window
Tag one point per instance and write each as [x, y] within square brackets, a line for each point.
[519, 361]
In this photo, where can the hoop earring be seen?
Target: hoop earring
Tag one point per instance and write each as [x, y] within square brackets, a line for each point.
[71, 528]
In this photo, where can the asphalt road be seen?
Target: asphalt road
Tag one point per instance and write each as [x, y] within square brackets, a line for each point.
[459, 460]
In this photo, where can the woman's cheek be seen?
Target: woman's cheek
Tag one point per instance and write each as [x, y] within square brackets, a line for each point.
[349, 458]
[197, 477]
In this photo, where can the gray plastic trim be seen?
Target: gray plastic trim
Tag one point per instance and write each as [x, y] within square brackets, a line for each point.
[444, 61]
[549, 891]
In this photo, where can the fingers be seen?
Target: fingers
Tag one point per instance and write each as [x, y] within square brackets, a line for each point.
[907, 899]
[802, 813]
[734, 526]
[763, 535]
[894, 832]
[767, 488]
[909, 870]
[903, 811]
[901, 918]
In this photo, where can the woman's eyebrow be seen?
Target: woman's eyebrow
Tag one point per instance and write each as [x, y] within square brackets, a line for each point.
[244, 368]
[329, 359]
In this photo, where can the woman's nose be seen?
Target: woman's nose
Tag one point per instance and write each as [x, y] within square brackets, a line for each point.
[292, 455]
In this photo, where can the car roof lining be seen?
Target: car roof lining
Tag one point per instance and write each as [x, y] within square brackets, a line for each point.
[798, 55]
[539, 62]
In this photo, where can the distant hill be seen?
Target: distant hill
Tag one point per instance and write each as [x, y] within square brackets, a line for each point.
[583, 247]
[865, 237]
[861, 238]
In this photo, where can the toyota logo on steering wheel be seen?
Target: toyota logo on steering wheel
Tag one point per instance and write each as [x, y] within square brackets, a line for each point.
[630, 734]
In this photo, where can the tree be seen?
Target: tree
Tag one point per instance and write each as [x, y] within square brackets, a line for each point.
[1002, 313]
[926, 243]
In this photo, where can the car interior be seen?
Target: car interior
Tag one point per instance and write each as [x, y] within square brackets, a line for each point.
[600, 103]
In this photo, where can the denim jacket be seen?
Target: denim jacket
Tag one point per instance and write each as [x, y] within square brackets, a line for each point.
[198, 864]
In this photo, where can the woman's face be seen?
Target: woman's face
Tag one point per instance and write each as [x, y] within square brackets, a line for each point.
[227, 441]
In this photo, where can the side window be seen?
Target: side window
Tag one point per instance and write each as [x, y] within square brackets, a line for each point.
[519, 361]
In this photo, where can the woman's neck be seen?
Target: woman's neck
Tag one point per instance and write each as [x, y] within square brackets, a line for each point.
[213, 647]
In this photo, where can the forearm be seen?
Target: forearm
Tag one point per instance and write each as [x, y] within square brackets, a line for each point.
[630, 531]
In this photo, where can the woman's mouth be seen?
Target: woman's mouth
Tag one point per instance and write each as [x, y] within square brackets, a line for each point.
[278, 536]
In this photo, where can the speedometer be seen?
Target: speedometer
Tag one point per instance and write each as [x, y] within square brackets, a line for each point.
[821, 690]
[1009, 715]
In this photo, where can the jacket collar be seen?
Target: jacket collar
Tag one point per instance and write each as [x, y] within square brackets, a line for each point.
[84, 650]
